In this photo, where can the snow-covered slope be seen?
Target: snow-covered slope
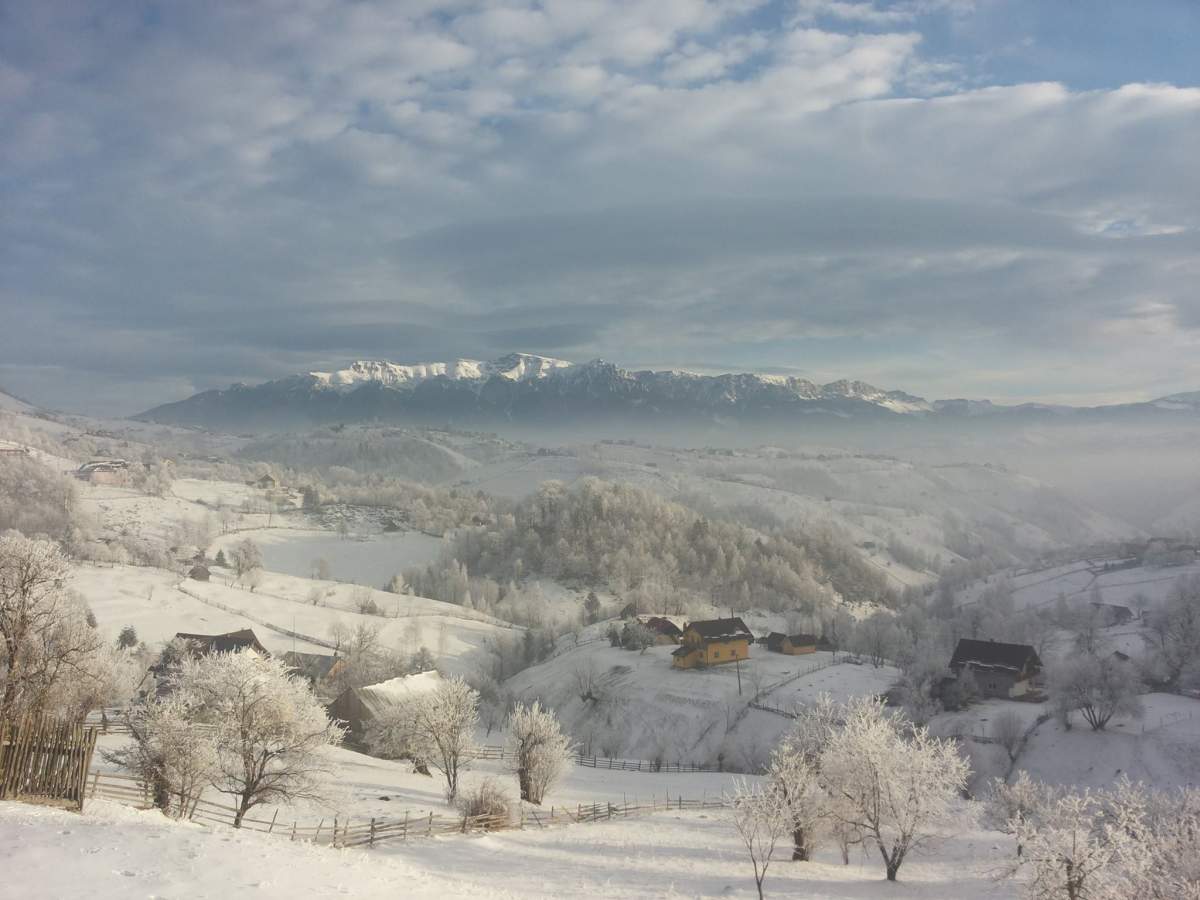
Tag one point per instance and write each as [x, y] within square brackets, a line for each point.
[118, 852]
[643, 708]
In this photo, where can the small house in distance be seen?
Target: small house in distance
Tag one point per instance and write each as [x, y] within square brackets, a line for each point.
[792, 644]
[1000, 670]
[712, 643]
[104, 471]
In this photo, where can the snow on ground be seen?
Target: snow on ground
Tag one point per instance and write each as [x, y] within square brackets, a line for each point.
[1162, 748]
[150, 601]
[1077, 580]
[365, 559]
[215, 493]
[646, 708]
[363, 786]
[124, 511]
[118, 853]
[159, 603]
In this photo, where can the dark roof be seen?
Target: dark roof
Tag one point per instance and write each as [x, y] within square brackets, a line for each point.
[663, 625]
[1115, 607]
[776, 638]
[230, 642]
[683, 651]
[994, 655]
[311, 665]
[715, 629]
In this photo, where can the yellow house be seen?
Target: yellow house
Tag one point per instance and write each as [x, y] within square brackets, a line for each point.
[712, 643]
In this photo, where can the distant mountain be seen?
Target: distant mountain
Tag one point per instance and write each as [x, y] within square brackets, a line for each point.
[521, 388]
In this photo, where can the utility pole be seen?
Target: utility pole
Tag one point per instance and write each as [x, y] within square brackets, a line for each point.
[738, 665]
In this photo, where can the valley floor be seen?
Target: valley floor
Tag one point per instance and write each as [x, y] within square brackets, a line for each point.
[118, 853]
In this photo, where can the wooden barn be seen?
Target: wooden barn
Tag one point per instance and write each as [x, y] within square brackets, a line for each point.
[1000, 670]
[318, 669]
[665, 631]
[359, 708]
[712, 643]
[104, 471]
[792, 644]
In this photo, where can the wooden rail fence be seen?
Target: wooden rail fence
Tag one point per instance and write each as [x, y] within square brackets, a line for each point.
[337, 831]
[44, 759]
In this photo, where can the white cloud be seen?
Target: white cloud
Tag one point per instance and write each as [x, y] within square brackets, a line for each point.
[277, 156]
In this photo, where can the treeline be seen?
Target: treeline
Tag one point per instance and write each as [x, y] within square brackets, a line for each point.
[628, 537]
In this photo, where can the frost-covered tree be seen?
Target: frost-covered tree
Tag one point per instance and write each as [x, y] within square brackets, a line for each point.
[1012, 804]
[1086, 846]
[171, 750]
[1008, 728]
[1099, 687]
[636, 636]
[46, 642]
[434, 729]
[892, 781]
[269, 729]
[540, 751]
[244, 557]
[759, 815]
[1176, 632]
[792, 774]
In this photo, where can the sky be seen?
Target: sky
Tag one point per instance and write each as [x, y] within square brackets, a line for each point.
[981, 198]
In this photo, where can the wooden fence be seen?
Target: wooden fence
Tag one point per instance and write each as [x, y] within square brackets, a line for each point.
[44, 759]
[493, 751]
[336, 831]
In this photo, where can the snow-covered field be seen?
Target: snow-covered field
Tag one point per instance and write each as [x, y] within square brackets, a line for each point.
[366, 559]
[117, 852]
[646, 709]
[159, 604]
[1077, 581]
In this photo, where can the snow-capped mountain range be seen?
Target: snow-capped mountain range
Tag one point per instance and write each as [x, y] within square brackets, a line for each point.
[523, 387]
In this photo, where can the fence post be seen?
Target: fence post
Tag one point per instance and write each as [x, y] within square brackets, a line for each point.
[404, 834]
[431, 823]
[293, 830]
[372, 840]
[271, 827]
[95, 784]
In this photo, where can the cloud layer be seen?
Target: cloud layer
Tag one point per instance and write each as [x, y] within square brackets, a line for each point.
[197, 193]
